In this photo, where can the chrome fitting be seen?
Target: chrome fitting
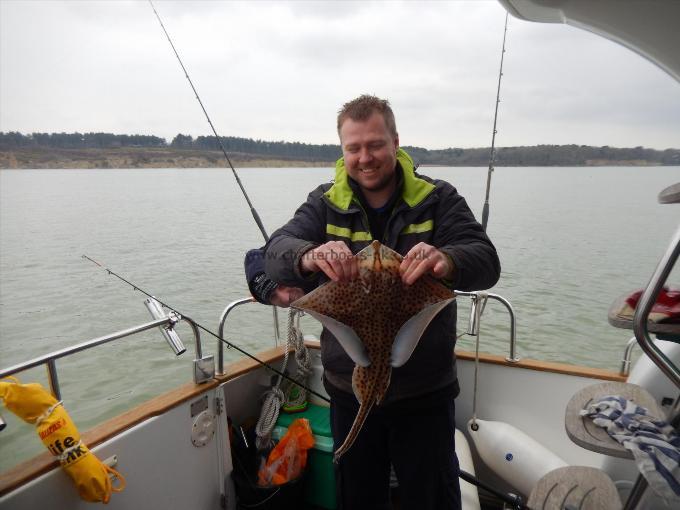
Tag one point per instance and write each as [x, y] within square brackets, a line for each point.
[168, 332]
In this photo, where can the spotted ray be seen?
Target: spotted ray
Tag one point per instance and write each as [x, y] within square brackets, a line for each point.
[378, 321]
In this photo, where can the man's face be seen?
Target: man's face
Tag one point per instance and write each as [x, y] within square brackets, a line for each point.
[370, 153]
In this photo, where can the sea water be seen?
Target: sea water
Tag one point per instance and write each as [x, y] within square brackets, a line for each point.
[570, 240]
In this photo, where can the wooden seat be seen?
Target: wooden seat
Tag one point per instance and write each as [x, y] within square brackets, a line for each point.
[575, 487]
[621, 316]
[581, 429]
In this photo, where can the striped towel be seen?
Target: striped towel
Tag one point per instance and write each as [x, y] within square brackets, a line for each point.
[653, 443]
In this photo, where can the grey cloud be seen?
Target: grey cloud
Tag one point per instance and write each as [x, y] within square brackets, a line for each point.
[280, 70]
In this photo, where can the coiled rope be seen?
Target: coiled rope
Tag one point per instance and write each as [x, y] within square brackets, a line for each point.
[291, 395]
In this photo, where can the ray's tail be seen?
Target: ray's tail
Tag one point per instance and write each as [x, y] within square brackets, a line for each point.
[364, 408]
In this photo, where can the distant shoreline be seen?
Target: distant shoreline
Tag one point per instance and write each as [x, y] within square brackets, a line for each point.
[133, 157]
[169, 157]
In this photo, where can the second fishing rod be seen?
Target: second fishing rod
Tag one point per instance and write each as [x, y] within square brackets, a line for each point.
[253, 211]
[210, 332]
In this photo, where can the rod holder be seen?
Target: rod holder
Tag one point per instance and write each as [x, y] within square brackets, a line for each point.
[168, 332]
[473, 324]
[473, 327]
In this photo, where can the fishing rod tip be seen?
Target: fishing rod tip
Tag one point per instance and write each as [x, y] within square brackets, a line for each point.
[91, 260]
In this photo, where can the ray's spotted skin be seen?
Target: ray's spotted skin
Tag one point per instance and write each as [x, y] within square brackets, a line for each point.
[375, 306]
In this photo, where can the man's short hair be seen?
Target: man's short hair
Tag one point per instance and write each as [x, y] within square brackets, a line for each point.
[361, 108]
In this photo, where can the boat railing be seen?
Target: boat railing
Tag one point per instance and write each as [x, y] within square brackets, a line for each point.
[627, 357]
[203, 367]
[479, 298]
[476, 297]
[644, 308]
[223, 319]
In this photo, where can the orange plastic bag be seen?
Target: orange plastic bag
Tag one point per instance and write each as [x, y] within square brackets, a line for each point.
[288, 458]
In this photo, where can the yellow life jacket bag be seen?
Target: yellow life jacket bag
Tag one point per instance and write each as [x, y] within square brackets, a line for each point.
[33, 404]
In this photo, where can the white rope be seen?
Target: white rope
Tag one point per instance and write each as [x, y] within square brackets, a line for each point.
[63, 457]
[293, 395]
[47, 413]
[269, 413]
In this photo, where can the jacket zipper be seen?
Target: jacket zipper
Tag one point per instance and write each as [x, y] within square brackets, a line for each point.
[385, 239]
[364, 217]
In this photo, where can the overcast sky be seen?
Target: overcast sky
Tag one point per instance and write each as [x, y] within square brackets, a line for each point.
[280, 71]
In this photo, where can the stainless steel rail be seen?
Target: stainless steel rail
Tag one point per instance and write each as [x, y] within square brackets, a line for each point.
[197, 338]
[50, 358]
[220, 331]
[644, 307]
[627, 356]
[475, 295]
[513, 358]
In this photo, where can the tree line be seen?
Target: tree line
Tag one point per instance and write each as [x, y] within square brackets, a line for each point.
[540, 155]
[285, 150]
[15, 140]
[546, 155]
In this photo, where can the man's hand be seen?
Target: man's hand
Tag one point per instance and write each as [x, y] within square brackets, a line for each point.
[424, 258]
[283, 296]
[334, 258]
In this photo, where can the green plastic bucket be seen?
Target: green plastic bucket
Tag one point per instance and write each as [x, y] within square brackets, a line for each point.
[320, 473]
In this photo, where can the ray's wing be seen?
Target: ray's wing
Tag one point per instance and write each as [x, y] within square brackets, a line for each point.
[346, 336]
[330, 304]
[422, 301]
[409, 334]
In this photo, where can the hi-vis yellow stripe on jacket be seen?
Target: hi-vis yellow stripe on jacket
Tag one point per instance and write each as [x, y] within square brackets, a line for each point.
[418, 228]
[334, 230]
[414, 228]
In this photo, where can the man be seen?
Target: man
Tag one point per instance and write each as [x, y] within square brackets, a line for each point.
[377, 195]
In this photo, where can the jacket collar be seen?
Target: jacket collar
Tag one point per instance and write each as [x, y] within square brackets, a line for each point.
[414, 190]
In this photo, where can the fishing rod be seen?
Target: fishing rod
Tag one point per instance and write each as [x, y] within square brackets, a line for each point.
[190, 320]
[492, 156]
[253, 212]
[256, 216]
[513, 500]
